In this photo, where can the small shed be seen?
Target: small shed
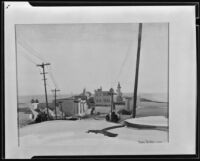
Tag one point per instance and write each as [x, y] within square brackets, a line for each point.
[68, 106]
[73, 106]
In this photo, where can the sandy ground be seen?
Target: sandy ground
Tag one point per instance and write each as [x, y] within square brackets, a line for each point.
[70, 138]
[64, 137]
[158, 121]
[65, 132]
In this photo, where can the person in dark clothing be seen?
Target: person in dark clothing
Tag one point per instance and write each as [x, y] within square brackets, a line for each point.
[112, 117]
[107, 117]
[92, 111]
[32, 101]
[42, 116]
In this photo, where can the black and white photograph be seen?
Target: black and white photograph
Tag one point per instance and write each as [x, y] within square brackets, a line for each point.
[99, 87]
[88, 89]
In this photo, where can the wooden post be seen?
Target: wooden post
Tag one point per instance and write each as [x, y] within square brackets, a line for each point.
[137, 70]
[61, 109]
[111, 93]
[43, 68]
[55, 90]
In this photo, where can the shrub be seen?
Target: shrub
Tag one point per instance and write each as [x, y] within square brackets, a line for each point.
[124, 112]
[41, 117]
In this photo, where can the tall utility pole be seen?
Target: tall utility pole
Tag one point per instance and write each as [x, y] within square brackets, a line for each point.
[137, 70]
[45, 88]
[111, 93]
[55, 90]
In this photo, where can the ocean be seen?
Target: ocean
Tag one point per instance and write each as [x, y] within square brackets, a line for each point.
[153, 107]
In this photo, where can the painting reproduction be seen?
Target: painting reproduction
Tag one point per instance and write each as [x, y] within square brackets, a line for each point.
[92, 84]
[99, 81]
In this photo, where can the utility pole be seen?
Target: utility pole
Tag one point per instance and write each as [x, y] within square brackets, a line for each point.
[111, 93]
[55, 90]
[137, 70]
[45, 88]
[61, 109]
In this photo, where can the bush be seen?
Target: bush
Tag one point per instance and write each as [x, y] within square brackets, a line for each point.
[41, 117]
[107, 117]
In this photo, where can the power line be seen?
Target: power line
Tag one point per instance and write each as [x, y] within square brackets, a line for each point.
[52, 77]
[36, 53]
[29, 59]
[48, 85]
[124, 60]
[26, 49]
[30, 50]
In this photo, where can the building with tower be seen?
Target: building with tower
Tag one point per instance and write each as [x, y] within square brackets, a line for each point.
[119, 93]
[102, 98]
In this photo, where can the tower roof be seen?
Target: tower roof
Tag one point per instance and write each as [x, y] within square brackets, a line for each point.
[118, 86]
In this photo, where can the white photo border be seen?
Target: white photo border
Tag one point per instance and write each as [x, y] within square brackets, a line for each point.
[182, 70]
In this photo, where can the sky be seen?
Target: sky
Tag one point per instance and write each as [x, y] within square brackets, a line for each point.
[91, 55]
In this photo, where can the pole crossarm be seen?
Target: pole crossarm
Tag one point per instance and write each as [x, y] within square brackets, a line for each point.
[44, 73]
[53, 90]
[43, 64]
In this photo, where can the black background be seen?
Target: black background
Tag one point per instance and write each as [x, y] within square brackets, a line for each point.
[103, 3]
